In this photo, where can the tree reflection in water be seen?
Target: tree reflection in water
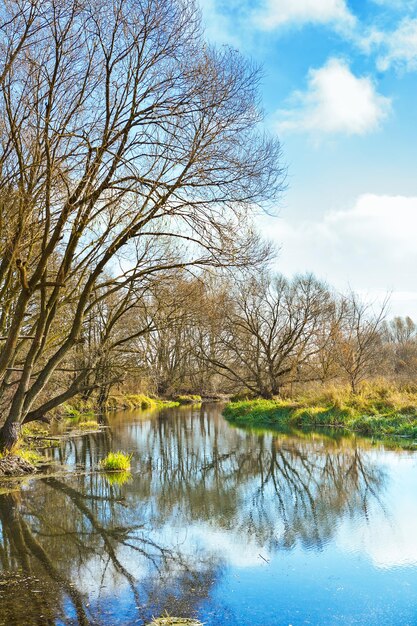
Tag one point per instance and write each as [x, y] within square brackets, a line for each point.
[92, 548]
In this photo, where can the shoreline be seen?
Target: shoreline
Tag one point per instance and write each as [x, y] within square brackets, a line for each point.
[368, 421]
[79, 418]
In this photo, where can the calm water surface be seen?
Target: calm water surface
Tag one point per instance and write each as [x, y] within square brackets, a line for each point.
[234, 527]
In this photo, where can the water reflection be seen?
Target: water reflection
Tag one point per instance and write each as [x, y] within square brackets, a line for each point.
[203, 498]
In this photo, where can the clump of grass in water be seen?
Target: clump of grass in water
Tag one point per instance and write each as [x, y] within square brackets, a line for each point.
[116, 462]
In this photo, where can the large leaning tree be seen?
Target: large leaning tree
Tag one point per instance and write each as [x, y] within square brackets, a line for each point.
[129, 147]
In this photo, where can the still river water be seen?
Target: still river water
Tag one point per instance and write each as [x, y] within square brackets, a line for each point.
[234, 527]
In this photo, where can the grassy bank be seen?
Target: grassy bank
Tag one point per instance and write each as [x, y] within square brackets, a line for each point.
[378, 410]
[29, 454]
[188, 399]
[138, 401]
[78, 408]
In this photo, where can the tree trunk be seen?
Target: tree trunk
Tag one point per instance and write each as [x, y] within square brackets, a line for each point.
[9, 435]
[103, 396]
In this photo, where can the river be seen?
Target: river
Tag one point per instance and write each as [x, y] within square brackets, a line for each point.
[234, 527]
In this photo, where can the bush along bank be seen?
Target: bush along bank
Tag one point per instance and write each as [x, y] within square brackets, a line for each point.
[369, 414]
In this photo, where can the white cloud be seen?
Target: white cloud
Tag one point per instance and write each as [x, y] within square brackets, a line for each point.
[276, 13]
[389, 540]
[218, 28]
[369, 246]
[396, 48]
[399, 48]
[336, 101]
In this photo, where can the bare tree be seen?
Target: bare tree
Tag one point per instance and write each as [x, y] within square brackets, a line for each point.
[358, 344]
[168, 352]
[118, 126]
[267, 331]
[400, 335]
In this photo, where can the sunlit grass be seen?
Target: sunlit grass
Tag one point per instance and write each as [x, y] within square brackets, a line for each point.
[81, 410]
[116, 462]
[77, 410]
[88, 425]
[137, 401]
[31, 456]
[379, 409]
[188, 399]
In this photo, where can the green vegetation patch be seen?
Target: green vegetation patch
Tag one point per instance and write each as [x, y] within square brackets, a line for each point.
[259, 412]
[188, 399]
[167, 404]
[88, 425]
[77, 412]
[116, 462]
[137, 401]
[15, 465]
[374, 412]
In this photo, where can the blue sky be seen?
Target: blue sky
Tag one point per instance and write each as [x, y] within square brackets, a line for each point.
[340, 91]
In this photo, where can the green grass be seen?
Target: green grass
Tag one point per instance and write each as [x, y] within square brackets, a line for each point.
[31, 456]
[167, 404]
[116, 462]
[379, 410]
[27, 454]
[79, 411]
[188, 399]
[137, 401]
[88, 425]
[76, 412]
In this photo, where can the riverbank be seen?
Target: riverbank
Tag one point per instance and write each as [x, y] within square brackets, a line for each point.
[76, 418]
[88, 408]
[376, 411]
